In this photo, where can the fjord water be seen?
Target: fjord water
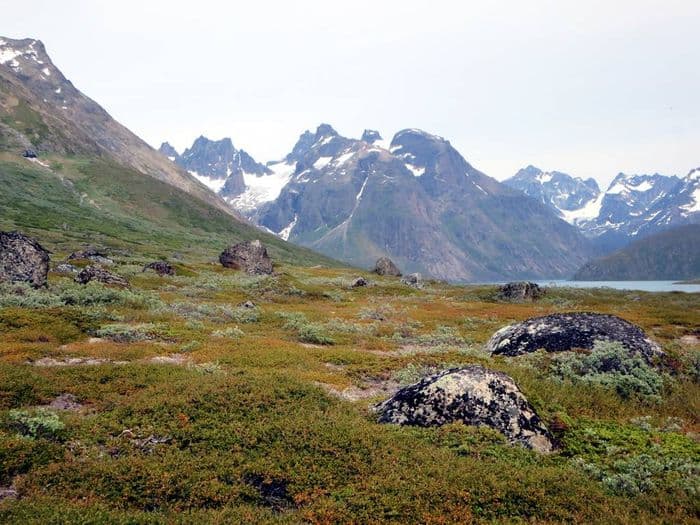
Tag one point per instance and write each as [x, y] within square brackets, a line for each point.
[642, 286]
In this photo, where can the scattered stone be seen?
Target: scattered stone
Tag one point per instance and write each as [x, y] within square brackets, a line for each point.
[357, 283]
[160, 267]
[273, 492]
[65, 402]
[75, 361]
[473, 395]
[249, 256]
[22, 259]
[569, 331]
[520, 291]
[413, 279]
[172, 359]
[95, 273]
[385, 266]
[248, 304]
[690, 340]
[65, 268]
[146, 444]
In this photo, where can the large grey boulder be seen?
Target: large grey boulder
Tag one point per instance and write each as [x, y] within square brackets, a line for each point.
[473, 395]
[520, 291]
[22, 259]
[568, 331]
[95, 273]
[249, 256]
[385, 266]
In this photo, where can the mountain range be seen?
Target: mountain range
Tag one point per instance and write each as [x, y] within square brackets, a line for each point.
[414, 198]
[632, 207]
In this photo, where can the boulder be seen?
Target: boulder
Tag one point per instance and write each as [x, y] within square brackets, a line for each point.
[29, 154]
[91, 254]
[249, 256]
[385, 266]
[359, 282]
[413, 279]
[568, 331]
[95, 273]
[160, 267]
[520, 292]
[22, 259]
[473, 395]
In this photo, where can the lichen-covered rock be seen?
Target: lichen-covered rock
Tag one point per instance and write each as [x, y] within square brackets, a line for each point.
[520, 291]
[160, 267]
[568, 331]
[359, 282]
[249, 256]
[66, 268]
[22, 259]
[91, 254]
[385, 266]
[473, 395]
[413, 279]
[95, 273]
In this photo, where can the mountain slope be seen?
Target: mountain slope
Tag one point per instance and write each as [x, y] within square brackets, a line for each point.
[94, 181]
[417, 200]
[672, 254]
[41, 110]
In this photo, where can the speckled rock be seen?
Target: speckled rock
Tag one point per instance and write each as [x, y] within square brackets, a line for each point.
[385, 266]
[22, 259]
[95, 273]
[568, 331]
[358, 283]
[249, 256]
[162, 268]
[520, 291]
[473, 395]
[413, 279]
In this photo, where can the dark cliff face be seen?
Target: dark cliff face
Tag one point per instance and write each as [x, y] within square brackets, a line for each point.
[421, 203]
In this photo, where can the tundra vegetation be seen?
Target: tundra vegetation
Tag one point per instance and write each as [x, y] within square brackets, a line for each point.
[194, 408]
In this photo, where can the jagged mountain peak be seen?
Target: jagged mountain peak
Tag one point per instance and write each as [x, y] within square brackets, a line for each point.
[169, 151]
[370, 136]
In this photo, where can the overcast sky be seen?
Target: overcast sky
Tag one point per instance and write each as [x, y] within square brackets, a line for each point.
[590, 88]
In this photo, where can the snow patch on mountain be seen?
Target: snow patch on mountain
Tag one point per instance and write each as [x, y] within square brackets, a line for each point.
[263, 188]
[214, 185]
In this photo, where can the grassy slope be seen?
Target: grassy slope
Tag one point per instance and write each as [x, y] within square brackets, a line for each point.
[256, 402]
[669, 255]
[81, 201]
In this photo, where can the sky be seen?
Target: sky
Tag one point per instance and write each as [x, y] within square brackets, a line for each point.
[590, 88]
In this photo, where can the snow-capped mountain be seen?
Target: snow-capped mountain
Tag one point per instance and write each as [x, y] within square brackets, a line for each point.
[415, 199]
[218, 164]
[572, 197]
[633, 206]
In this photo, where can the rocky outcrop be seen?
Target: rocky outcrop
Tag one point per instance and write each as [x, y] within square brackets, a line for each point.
[91, 254]
[249, 256]
[358, 282]
[22, 259]
[385, 266]
[65, 268]
[520, 292]
[162, 268]
[473, 395]
[568, 331]
[95, 273]
[413, 279]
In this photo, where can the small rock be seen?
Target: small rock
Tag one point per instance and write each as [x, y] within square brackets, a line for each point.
[385, 266]
[249, 256]
[160, 267]
[569, 331]
[65, 268]
[65, 402]
[95, 273]
[8, 493]
[359, 282]
[22, 259]
[29, 154]
[413, 279]
[473, 395]
[248, 304]
[520, 291]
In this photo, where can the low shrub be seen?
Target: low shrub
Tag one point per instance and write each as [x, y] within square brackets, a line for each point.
[40, 423]
[307, 331]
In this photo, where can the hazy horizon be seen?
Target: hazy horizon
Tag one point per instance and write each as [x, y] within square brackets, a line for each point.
[588, 89]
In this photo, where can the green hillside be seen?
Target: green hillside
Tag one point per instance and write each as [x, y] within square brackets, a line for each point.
[79, 200]
[670, 255]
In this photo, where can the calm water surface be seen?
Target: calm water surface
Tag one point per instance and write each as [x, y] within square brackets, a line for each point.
[643, 286]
